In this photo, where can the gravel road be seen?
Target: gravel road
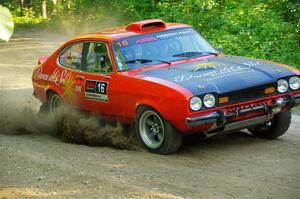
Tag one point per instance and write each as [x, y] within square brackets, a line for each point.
[39, 165]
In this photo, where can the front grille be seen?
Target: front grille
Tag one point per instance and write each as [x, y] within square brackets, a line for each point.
[247, 94]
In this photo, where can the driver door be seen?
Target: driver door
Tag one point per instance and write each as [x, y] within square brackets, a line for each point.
[98, 79]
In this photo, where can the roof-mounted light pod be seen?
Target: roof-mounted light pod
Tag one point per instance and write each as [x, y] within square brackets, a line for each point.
[146, 25]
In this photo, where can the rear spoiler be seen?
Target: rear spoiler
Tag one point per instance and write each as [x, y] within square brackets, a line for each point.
[42, 59]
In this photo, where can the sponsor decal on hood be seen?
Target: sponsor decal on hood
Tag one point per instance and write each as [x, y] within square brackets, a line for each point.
[221, 74]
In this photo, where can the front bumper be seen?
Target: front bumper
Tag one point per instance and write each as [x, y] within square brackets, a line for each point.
[221, 118]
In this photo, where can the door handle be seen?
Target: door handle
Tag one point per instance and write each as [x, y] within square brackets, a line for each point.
[80, 77]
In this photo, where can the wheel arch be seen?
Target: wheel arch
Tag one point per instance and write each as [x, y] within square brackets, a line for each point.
[50, 90]
[149, 104]
[166, 108]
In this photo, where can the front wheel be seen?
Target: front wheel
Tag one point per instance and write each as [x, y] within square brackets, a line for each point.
[157, 134]
[274, 128]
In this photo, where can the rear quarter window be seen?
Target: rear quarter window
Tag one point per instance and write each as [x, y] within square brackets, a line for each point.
[71, 56]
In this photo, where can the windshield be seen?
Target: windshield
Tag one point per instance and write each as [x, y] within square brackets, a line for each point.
[159, 47]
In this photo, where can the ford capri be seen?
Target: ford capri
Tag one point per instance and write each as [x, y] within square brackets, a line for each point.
[169, 81]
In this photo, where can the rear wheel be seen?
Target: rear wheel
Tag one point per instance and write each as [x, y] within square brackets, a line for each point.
[53, 102]
[65, 122]
[44, 108]
[157, 134]
[274, 128]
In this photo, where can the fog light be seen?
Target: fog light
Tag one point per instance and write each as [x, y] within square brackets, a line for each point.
[279, 102]
[269, 90]
[223, 100]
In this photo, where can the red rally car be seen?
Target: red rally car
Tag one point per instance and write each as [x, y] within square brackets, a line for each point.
[170, 81]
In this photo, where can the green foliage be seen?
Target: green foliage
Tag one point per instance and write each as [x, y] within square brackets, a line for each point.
[261, 29]
[296, 110]
[267, 29]
[28, 18]
[6, 24]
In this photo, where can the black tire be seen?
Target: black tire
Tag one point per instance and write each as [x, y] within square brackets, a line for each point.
[44, 108]
[275, 128]
[53, 102]
[47, 109]
[156, 134]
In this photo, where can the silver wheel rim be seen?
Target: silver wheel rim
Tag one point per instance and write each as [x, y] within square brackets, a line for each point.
[55, 102]
[151, 129]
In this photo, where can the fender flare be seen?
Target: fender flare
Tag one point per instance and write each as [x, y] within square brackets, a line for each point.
[53, 89]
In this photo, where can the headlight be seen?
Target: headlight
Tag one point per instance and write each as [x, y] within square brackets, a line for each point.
[282, 85]
[195, 103]
[209, 100]
[294, 82]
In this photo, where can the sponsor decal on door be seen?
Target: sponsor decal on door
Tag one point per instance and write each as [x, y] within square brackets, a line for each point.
[96, 90]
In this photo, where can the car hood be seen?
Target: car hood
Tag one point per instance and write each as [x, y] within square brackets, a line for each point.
[221, 74]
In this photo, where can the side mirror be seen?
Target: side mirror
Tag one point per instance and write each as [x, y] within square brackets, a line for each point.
[220, 49]
[102, 60]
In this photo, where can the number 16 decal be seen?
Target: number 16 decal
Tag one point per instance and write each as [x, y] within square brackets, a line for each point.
[101, 87]
[96, 90]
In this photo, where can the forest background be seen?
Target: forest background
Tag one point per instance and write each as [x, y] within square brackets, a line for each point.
[267, 29]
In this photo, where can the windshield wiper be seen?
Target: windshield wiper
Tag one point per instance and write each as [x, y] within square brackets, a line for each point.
[193, 54]
[143, 61]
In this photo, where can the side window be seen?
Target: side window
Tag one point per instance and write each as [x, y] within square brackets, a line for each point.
[96, 58]
[71, 56]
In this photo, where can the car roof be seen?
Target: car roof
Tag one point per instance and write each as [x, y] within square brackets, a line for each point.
[135, 28]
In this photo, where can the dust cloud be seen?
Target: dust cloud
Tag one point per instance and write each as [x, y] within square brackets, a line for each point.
[92, 130]
[19, 110]
[69, 124]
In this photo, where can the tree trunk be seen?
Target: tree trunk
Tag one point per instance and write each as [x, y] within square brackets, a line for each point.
[67, 5]
[54, 6]
[44, 9]
[26, 3]
[22, 7]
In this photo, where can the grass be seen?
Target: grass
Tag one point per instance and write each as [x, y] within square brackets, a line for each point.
[296, 109]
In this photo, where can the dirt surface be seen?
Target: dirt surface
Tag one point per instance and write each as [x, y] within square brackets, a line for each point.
[39, 165]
